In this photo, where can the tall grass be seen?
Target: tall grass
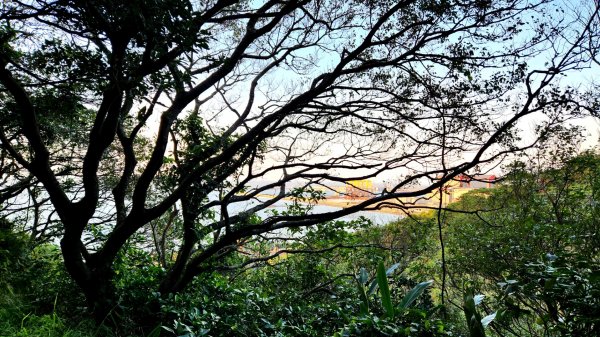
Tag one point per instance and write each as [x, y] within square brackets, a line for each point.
[16, 320]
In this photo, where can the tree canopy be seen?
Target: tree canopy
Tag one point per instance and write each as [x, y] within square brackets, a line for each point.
[159, 117]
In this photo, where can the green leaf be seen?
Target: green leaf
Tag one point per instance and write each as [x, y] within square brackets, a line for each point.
[388, 272]
[472, 316]
[373, 287]
[477, 299]
[363, 276]
[413, 294]
[156, 331]
[488, 319]
[391, 269]
[364, 300]
[384, 290]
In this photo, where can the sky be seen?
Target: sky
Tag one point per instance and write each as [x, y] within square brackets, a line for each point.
[281, 80]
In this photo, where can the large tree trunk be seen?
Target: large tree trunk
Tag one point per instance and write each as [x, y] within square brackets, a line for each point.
[93, 277]
[101, 295]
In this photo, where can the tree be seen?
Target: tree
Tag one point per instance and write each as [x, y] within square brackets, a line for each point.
[118, 115]
[534, 251]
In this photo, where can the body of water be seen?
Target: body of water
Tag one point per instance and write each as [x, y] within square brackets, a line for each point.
[376, 217]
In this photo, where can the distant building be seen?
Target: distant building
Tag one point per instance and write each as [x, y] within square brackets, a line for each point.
[451, 192]
[459, 185]
[359, 189]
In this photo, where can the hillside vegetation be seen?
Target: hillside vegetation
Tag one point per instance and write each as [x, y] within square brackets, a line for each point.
[521, 259]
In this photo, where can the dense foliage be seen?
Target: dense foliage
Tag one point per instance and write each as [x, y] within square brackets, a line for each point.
[522, 260]
[534, 250]
[161, 161]
[159, 126]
